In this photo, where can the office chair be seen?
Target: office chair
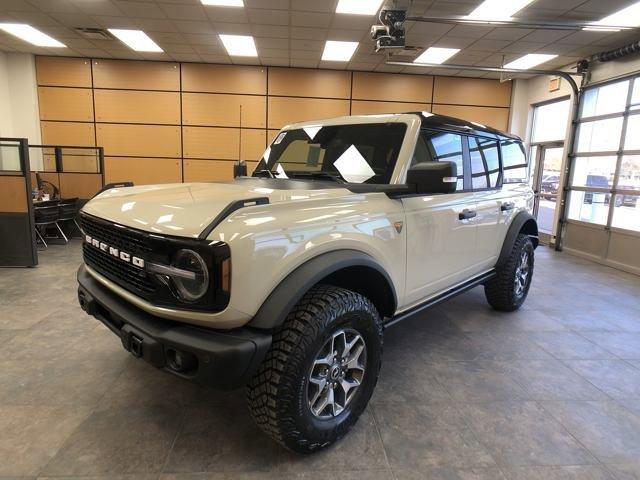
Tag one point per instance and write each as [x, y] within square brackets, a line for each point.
[46, 214]
[68, 209]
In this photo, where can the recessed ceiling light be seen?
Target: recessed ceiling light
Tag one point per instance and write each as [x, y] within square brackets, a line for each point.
[223, 3]
[436, 55]
[136, 40]
[530, 60]
[30, 34]
[239, 45]
[627, 17]
[498, 9]
[338, 51]
[359, 7]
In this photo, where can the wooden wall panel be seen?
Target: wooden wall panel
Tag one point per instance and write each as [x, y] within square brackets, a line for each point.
[471, 91]
[489, 116]
[13, 194]
[129, 106]
[142, 171]
[81, 185]
[136, 75]
[299, 82]
[51, 177]
[362, 107]
[63, 72]
[75, 104]
[139, 140]
[222, 143]
[271, 136]
[85, 163]
[283, 111]
[224, 110]
[392, 87]
[254, 143]
[208, 170]
[224, 78]
[68, 133]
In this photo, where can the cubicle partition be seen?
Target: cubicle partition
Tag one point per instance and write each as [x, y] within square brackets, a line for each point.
[17, 238]
[75, 171]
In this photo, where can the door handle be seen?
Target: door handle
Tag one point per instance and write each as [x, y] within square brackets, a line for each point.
[467, 214]
[507, 206]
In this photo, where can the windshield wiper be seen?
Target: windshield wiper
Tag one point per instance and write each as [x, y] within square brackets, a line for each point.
[335, 177]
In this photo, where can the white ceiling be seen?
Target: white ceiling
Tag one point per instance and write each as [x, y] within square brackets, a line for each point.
[293, 32]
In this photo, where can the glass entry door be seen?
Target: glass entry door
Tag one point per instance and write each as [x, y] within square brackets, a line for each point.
[546, 185]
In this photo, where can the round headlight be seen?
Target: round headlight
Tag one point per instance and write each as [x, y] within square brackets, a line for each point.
[191, 289]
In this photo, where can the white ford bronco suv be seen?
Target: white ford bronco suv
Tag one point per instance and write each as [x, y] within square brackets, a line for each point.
[285, 281]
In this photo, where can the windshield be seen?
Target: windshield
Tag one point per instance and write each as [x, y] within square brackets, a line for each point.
[364, 153]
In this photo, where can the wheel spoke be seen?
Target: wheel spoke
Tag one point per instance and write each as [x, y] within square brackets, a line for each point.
[348, 385]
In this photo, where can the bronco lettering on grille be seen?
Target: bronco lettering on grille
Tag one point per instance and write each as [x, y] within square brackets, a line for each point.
[108, 249]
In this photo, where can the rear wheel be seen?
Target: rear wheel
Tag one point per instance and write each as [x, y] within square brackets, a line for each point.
[321, 370]
[508, 290]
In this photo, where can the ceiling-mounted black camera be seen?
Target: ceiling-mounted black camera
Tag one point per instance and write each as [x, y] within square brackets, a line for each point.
[391, 33]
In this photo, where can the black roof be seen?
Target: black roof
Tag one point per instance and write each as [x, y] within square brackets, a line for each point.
[444, 122]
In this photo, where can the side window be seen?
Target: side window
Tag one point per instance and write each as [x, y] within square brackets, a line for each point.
[514, 161]
[485, 163]
[441, 146]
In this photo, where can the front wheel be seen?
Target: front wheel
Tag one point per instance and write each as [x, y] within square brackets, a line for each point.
[508, 290]
[320, 371]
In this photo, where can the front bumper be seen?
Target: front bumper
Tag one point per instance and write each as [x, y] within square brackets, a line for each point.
[223, 359]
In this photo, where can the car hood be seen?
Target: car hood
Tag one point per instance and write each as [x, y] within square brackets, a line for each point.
[186, 209]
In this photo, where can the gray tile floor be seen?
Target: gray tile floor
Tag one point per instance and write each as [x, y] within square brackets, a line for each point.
[550, 392]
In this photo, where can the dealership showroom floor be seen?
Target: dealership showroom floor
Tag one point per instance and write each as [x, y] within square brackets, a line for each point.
[549, 392]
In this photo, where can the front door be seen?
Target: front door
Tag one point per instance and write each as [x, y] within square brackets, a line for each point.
[441, 229]
[546, 185]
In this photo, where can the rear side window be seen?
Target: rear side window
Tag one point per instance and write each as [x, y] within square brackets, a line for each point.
[436, 146]
[514, 161]
[485, 163]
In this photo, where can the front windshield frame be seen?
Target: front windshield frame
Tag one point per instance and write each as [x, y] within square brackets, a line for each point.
[386, 158]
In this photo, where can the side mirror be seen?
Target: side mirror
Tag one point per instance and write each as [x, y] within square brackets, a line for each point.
[433, 177]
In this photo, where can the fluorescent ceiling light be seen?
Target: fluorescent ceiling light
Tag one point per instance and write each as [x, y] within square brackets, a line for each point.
[223, 3]
[530, 60]
[136, 40]
[498, 9]
[239, 45]
[338, 51]
[436, 55]
[627, 17]
[30, 34]
[359, 7]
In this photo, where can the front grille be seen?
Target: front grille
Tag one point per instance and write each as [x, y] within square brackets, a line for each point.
[123, 239]
[124, 274]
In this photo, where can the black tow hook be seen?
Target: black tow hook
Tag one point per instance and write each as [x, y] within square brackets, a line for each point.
[135, 346]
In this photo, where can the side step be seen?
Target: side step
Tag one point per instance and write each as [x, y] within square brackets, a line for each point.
[441, 297]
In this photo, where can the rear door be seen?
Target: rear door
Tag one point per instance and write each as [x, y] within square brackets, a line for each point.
[486, 180]
[441, 229]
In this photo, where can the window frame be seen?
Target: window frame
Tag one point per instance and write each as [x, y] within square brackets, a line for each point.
[467, 176]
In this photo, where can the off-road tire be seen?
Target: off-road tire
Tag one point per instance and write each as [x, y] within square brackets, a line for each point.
[500, 291]
[277, 394]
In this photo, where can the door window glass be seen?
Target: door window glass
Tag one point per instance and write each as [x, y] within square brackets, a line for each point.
[443, 146]
[600, 136]
[485, 164]
[632, 139]
[630, 173]
[594, 171]
[607, 99]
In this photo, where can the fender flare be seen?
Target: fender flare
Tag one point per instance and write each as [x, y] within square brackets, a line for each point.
[515, 228]
[283, 298]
